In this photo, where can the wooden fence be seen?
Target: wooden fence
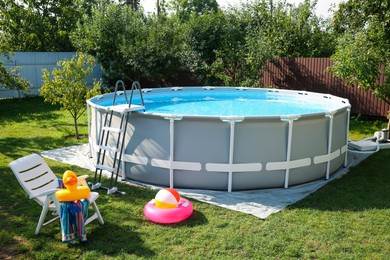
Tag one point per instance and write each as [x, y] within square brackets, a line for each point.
[311, 74]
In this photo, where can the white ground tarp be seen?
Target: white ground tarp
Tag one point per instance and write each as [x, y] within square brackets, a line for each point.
[260, 203]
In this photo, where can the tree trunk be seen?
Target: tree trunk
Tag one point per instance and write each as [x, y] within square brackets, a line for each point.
[76, 127]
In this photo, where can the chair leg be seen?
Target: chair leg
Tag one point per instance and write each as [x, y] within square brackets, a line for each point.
[99, 216]
[45, 209]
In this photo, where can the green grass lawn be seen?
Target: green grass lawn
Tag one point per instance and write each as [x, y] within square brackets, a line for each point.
[362, 127]
[346, 219]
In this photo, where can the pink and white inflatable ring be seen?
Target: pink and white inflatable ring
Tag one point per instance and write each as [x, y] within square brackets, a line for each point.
[168, 215]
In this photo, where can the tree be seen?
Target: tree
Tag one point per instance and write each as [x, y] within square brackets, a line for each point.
[229, 46]
[66, 85]
[185, 8]
[263, 30]
[10, 78]
[155, 51]
[363, 47]
[133, 3]
[239, 57]
[103, 36]
[203, 35]
[130, 46]
[293, 31]
[41, 25]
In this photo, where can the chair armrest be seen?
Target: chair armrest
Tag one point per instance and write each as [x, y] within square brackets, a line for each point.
[82, 180]
[45, 193]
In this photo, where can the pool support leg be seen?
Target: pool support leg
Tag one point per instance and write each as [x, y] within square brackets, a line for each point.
[171, 147]
[231, 155]
[331, 116]
[347, 136]
[232, 121]
[290, 120]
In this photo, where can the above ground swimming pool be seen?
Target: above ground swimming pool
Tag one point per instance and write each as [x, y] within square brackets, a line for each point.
[229, 139]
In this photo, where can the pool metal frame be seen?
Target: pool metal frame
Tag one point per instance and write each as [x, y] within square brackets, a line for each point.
[138, 161]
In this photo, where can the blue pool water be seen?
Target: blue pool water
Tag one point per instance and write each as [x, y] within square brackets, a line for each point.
[231, 102]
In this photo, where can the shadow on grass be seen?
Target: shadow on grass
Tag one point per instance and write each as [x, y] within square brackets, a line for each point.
[19, 147]
[29, 108]
[115, 239]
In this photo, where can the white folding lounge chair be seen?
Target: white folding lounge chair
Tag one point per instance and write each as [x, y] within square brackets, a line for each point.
[40, 183]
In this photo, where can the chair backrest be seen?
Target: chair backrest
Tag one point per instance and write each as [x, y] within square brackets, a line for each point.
[34, 175]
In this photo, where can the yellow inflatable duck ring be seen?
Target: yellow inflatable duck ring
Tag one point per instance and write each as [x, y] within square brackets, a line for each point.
[73, 191]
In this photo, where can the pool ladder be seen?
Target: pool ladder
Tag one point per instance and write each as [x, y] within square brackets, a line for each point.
[114, 152]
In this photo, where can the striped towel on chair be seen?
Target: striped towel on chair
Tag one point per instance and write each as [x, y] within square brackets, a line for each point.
[73, 216]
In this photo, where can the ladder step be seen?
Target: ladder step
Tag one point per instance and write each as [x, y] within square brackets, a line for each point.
[109, 148]
[112, 129]
[106, 168]
[125, 108]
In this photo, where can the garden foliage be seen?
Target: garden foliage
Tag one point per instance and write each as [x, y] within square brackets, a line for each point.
[216, 46]
[66, 85]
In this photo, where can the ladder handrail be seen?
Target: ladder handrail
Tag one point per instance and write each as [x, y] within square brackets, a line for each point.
[134, 86]
[116, 90]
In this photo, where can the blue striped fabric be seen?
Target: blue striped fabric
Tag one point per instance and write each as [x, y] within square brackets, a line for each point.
[73, 216]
